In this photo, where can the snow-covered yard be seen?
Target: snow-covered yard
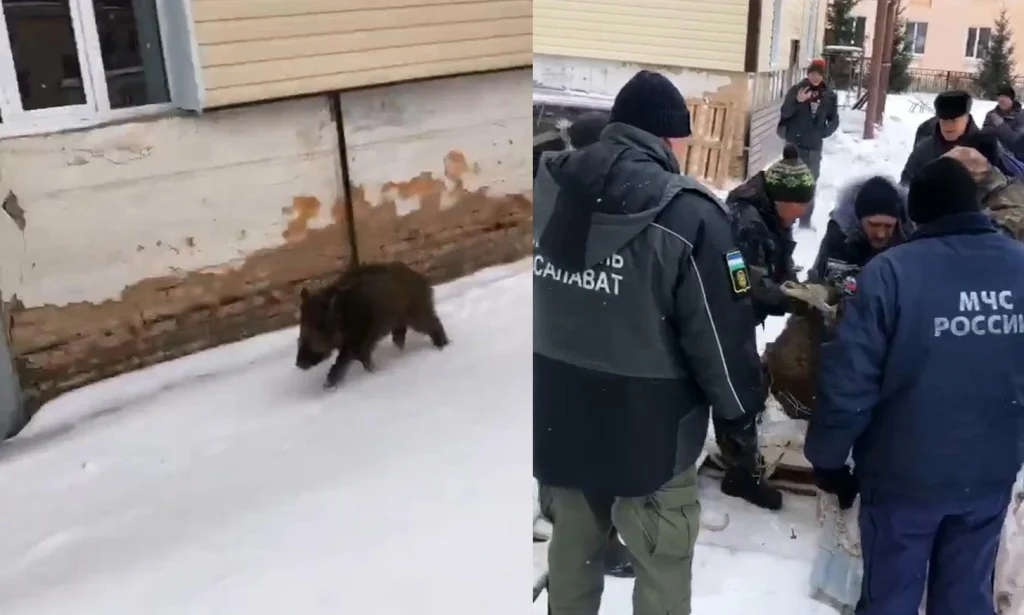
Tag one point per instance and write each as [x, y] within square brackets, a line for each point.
[764, 558]
[230, 482]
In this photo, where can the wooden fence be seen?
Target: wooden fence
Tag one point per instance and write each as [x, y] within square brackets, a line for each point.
[714, 142]
[767, 90]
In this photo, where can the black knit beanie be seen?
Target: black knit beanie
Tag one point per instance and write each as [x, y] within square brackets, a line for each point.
[650, 102]
[878, 197]
[952, 104]
[789, 180]
[1007, 91]
[985, 143]
[586, 130]
[943, 188]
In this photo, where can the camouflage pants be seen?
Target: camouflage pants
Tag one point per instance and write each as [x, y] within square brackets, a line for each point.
[659, 531]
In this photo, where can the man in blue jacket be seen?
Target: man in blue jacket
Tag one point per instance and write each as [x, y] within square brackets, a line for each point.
[923, 381]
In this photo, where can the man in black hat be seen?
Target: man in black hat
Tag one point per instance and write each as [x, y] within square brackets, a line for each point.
[642, 326]
[1006, 121]
[870, 216]
[922, 381]
[952, 123]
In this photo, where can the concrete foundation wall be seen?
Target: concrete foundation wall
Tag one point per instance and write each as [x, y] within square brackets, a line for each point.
[136, 243]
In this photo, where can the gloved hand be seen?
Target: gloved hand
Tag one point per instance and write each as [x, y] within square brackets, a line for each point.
[840, 482]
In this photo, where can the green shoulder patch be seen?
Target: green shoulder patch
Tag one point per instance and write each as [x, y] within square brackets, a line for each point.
[738, 274]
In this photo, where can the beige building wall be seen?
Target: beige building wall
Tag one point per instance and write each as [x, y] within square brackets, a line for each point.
[685, 33]
[948, 22]
[271, 49]
[802, 21]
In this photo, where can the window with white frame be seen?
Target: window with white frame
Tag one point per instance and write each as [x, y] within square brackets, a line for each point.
[917, 35]
[67, 63]
[978, 40]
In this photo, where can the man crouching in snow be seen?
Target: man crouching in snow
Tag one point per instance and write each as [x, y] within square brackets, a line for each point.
[869, 217]
[641, 321]
[922, 380]
[763, 211]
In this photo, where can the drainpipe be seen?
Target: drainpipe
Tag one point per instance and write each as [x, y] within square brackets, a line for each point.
[875, 82]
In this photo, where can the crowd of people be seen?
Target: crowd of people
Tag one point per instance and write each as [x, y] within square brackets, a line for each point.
[919, 384]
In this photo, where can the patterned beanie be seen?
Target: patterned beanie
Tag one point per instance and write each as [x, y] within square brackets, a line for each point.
[789, 180]
[650, 102]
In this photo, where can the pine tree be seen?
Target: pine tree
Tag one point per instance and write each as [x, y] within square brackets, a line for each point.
[997, 64]
[902, 56]
[839, 22]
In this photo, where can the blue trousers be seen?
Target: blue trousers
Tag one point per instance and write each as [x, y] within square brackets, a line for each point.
[947, 548]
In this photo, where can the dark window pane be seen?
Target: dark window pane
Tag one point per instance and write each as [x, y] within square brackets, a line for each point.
[984, 38]
[132, 56]
[920, 37]
[972, 38]
[858, 31]
[45, 56]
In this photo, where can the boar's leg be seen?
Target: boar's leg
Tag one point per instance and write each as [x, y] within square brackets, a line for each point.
[430, 324]
[398, 337]
[338, 368]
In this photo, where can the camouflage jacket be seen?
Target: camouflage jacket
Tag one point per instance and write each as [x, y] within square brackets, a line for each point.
[1003, 200]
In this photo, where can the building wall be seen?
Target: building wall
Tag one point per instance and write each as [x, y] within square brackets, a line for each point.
[799, 20]
[685, 33]
[145, 241]
[440, 173]
[278, 48]
[948, 21]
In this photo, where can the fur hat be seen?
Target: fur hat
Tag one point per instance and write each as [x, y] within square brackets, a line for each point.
[789, 180]
[878, 196]
[944, 187]
[952, 104]
[817, 66]
[650, 102]
[586, 130]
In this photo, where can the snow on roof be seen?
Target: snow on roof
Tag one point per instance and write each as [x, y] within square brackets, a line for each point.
[843, 49]
[572, 98]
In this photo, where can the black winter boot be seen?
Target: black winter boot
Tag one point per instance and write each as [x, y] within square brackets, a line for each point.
[742, 484]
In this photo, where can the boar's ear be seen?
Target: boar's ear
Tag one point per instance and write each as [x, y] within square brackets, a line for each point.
[303, 295]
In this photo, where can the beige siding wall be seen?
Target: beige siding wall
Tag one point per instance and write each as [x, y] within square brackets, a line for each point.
[684, 33]
[801, 20]
[263, 49]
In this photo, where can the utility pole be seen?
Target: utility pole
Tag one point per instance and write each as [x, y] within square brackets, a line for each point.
[890, 33]
[875, 81]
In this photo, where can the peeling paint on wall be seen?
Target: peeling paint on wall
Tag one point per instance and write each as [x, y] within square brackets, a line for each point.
[606, 77]
[113, 205]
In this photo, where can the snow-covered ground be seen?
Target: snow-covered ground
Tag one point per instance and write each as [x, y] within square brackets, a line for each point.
[764, 558]
[229, 482]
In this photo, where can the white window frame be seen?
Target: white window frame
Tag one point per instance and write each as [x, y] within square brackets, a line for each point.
[912, 37]
[977, 38]
[773, 58]
[180, 54]
[811, 33]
